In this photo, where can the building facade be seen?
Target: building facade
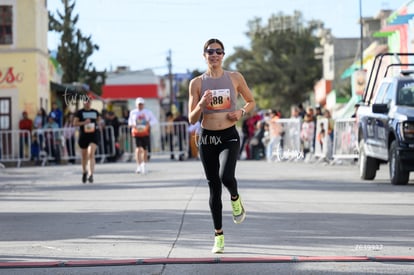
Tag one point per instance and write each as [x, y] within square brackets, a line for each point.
[24, 60]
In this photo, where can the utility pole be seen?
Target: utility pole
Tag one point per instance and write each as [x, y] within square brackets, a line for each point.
[170, 77]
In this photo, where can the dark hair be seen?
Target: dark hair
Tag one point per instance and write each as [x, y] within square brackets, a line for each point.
[211, 41]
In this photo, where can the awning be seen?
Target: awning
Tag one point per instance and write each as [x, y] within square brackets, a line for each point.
[382, 34]
[401, 19]
[387, 31]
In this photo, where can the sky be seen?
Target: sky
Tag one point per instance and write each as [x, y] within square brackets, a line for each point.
[141, 33]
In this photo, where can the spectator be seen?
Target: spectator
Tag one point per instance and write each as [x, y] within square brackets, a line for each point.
[310, 111]
[307, 134]
[330, 132]
[124, 133]
[321, 136]
[52, 141]
[318, 112]
[295, 112]
[39, 121]
[275, 132]
[124, 117]
[112, 121]
[302, 110]
[257, 147]
[57, 114]
[251, 128]
[25, 124]
[35, 149]
[331, 123]
[245, 136]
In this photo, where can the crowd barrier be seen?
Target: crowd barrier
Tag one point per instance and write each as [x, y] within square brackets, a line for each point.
[15, 146]
[167, 138]
[323, 141]
[345, 145]
[288, 145]
[60, 145]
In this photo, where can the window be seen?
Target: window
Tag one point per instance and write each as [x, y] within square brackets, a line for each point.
[6, 22]
[389, 94]
[5, 113]
[381, 93]
[405, 94]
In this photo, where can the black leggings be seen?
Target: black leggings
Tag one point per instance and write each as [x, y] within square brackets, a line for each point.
[219, 151]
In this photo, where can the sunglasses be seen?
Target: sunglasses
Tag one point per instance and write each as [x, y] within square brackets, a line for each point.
[217, 51]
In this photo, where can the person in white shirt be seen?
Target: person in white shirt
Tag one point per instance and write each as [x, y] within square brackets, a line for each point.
[140, 121]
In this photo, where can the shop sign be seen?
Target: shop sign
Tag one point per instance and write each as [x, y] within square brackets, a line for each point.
[9, 77]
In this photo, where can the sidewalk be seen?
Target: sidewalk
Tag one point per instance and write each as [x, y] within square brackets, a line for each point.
[160, 223]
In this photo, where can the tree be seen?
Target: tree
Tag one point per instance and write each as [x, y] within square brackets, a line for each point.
[280, 67]
[75, 49]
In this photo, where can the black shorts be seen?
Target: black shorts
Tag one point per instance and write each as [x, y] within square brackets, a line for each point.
[86, 139]
[142, 142]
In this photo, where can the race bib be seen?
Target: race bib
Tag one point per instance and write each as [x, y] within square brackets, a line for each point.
[221, 100]
[140, 131]
[89, 128]
[141, 128]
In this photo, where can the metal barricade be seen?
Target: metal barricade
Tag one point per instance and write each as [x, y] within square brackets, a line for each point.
[70, 150]
[106, 146]
[167, 138]
[345, 144]
[126, 143]
[61, 144]
[50, 145]
[15, 146]
[323, 142]
[288, 146]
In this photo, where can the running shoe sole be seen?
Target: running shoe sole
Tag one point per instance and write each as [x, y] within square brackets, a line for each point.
[240, 218]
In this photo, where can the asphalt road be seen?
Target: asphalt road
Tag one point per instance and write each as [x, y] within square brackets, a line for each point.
[301, 219]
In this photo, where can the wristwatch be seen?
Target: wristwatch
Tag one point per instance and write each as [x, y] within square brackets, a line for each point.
[243, 111]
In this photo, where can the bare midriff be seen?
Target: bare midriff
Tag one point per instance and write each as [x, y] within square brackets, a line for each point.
[216, 121]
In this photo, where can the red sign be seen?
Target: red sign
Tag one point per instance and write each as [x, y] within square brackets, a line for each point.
[7, 76]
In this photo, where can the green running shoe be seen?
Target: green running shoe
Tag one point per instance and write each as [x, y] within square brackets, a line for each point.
[218, 244]
[238, 211]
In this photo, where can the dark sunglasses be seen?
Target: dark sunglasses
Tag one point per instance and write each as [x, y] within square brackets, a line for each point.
[217, 51]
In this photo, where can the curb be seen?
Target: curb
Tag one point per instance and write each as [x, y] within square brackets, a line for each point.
[217, 260]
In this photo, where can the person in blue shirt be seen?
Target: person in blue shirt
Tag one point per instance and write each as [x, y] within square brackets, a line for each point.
[57, 114]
